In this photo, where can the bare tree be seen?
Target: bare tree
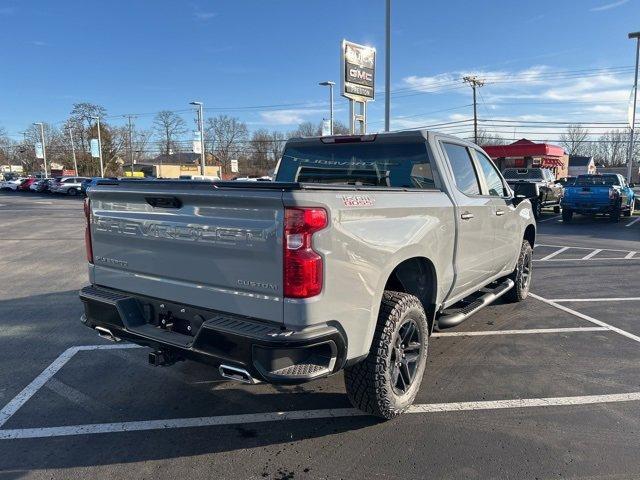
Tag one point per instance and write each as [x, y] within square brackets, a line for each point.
[574, 140]
[226, 137]
[169, 127]
[487, 138]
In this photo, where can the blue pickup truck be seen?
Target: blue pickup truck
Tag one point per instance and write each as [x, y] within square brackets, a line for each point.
[607, 194]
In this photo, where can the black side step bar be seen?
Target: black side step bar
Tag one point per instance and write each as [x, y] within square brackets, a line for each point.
[458, 316]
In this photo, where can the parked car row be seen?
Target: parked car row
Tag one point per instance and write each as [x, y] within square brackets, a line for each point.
[64, 185]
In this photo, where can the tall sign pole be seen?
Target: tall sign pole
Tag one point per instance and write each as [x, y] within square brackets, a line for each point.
[358, 66]
[100, 147]
[635, 35]
[44, 147]
[387, 70]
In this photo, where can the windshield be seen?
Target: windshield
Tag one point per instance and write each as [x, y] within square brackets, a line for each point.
[364, 164]
[606, 180]
[523, 173]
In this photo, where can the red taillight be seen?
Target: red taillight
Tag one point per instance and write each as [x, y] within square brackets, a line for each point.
[87, 230]
[303, 274]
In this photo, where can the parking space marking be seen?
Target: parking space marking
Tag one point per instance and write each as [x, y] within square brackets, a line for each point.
[586, 317]
[580, 248]
[519, 332]
[557, 252]
[173, 423]
[37, 383]
[632, 222]
[592, 254]
[629, 255]
[549, 219]
[613, 299]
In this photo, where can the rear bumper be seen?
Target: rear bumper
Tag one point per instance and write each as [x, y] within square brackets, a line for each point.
[266, 350]
[589, 207]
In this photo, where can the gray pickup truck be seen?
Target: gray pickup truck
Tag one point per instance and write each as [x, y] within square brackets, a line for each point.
[360, 248]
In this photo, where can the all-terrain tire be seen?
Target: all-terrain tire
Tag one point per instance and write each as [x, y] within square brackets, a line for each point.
[536, 206]
[556, 209]
[521, 275]
[567, 215]
[369, 383]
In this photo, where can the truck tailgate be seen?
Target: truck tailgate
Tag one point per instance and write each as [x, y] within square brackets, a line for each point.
[587, 194]
[193, 244]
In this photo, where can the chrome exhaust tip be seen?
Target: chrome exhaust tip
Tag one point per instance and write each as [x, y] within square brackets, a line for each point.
[106, 334]
[237, 374]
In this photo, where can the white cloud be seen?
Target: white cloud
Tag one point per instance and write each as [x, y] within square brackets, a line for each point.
[288, 117]
[608, 6]
[205, 15]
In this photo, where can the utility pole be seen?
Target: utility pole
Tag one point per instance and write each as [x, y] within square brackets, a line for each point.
[44, 147]
[201, 128]
[100, 147]
[387, 69]
[73, 151]
[475, 82]
[130, 143]
[635, 35]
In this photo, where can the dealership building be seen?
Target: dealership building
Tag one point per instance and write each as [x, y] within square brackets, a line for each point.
[527, 154]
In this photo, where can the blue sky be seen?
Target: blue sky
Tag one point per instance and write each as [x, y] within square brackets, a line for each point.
[146, 56]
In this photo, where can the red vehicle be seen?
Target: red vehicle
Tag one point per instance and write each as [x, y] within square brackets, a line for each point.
[26, 183]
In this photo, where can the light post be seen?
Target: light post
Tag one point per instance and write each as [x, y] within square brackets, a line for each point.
[73, 151]
[635, 35]
[99, 146]
[329, 84]
[44, 148]
[201, 130]
[387, 69]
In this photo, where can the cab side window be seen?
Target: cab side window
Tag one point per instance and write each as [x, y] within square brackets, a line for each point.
[464, 172]
[492, 177]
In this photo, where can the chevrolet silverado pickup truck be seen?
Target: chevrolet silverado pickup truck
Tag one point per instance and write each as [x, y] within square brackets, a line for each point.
[360, 248]
[538, 185]
[593, 194]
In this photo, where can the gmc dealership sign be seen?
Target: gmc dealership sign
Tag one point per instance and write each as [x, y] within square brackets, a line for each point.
[358, 71]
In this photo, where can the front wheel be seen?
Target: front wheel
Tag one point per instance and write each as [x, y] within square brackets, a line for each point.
[72, 192]
[614, 216]
[385, 384]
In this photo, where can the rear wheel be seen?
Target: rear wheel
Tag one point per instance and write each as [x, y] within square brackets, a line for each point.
[567, 215]
[556, 209]
[385, 384]
[521, 276]
[614, 216]
[72, 192]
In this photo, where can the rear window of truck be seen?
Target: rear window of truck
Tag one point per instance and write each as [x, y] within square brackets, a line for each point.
[398, 165]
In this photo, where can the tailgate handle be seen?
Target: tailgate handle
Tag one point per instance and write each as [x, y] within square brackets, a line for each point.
[164, 202]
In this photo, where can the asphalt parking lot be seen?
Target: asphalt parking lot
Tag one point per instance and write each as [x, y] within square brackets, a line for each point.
[549, 388]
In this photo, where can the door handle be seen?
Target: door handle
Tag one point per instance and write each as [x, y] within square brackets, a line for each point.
[466, 216]
[499, 212]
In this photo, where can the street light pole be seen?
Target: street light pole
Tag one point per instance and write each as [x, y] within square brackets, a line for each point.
[73, 151]
[329, 84]
[635, 35]
[44, 147]
[100, 147]
[387, 68]
[201, 129]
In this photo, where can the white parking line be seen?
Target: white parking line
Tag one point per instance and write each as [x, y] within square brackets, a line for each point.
[519, 332]
[557, 252]
[614, 299]
[629, 255]
[36, 384]
[592, 254]
[575, 246]
[586, 317]
[632, 222]
[145, 425]
[549, 219]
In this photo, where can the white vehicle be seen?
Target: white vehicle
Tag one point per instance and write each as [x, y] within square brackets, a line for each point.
[67, 185]
[11, 184]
